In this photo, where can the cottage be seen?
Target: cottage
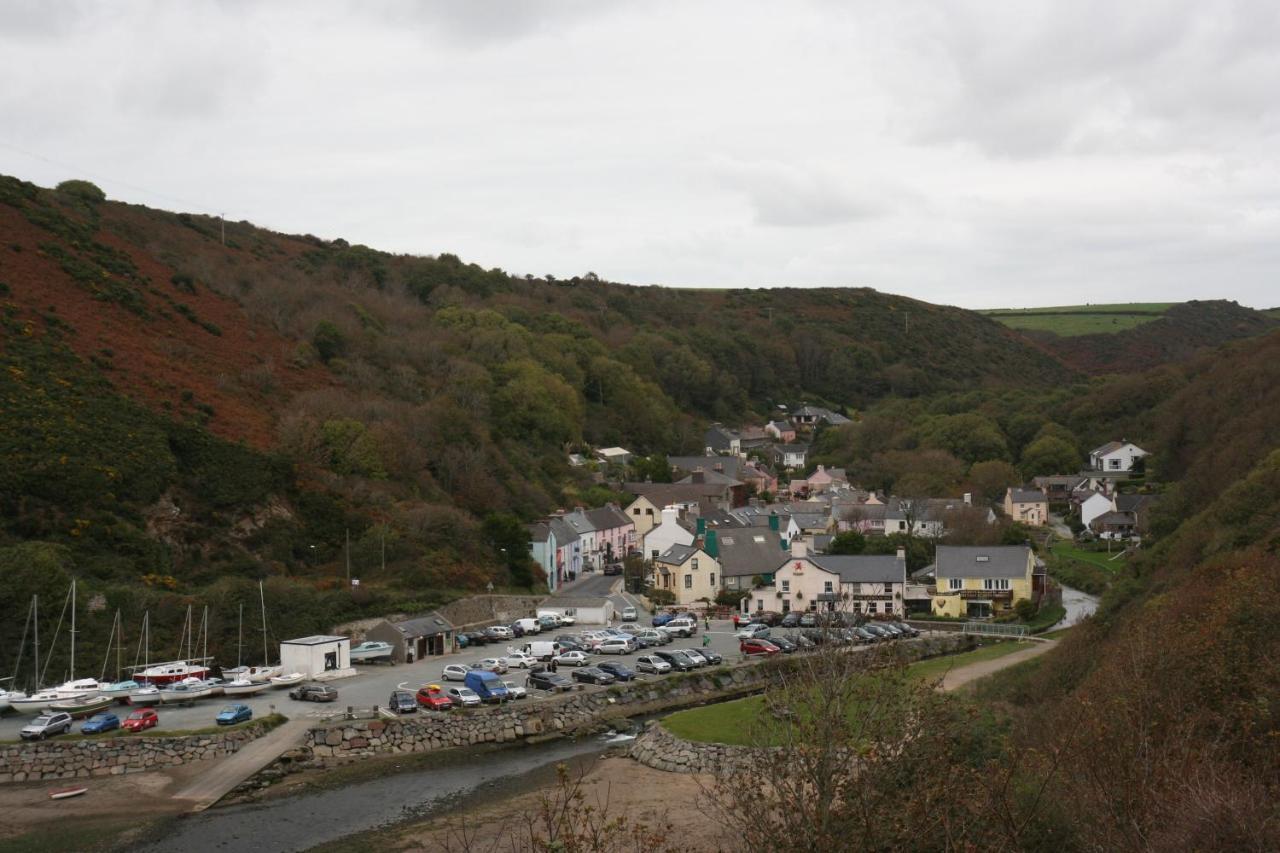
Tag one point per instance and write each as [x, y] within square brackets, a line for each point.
[871, 584]
[607, 534]
[1027, 506]
[720, 439]
[781, 430]
[1093, 506]
[669, 532]
[614, 455]
[749, 553]
[1116, 456]
[416, 638]
[644, 515]
[981, 581]
[689, 572]
[790, 455]
[1114, 525]
[586, 610]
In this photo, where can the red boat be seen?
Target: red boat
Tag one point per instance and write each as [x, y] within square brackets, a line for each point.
[171, 672]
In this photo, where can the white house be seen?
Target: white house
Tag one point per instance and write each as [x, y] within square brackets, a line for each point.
[667, 533]
[790, 455]
[318, 657]
[1095, 505]
[586, 610]
[614, 455]
[1115, 456]
[859, 583]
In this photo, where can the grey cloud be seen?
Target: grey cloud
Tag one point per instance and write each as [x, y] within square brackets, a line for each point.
[794, 197]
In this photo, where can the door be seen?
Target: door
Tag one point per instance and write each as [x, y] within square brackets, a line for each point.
[330, 661]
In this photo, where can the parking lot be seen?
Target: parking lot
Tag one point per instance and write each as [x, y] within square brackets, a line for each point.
[375, 682]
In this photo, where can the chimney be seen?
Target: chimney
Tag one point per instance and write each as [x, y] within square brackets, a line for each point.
[712, 545]
[783, 542]
[699, 476]
[719, 467]
[670, 514]
[821, 469]
[902, 554]
[773, 522]
[798, 548]
[701, 526]
[968, 499]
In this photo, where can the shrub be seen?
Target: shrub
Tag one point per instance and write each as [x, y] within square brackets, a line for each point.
[83, 190]
[328, 341]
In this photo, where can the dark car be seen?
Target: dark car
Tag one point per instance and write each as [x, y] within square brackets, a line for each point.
[613, 569]
[592, 675]
[808, 620]
[880, 633]
[783, 644]
[906, 629]
[678, 660]
[791, 620]
[478, 638]
[314, 693]
[516, 630]
[569, 643]
[546, 680]
[767, 617]
[712, 657]
[758, 647]
[661, 619]
[865, 636]
[402, 702]
[619, 671]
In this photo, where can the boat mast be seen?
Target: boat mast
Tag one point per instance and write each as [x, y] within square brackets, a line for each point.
[262, 597]
[240, 639]
[73, 630]
[35, 625]
[115, 623]
[204, 633]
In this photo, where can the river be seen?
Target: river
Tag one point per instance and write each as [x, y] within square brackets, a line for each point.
[310, 818]
[1079, 605]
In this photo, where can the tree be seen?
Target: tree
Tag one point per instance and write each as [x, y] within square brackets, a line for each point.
[83, 190]
[653, 469]
[849, 542]
[991, 478]
[1049, 455]
[969, 436]
[510, 539]
[328, 341]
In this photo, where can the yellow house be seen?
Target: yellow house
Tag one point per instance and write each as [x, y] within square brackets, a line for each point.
[644, 515]
[688, 572]
[1029, 506]
[981, 581]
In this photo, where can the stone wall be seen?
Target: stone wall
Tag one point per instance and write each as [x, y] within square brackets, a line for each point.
[661, 750]
[564, 713]
[483, 610]
[113, 756]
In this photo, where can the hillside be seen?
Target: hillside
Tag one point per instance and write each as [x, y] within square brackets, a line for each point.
[185, 416]
[1067, 321]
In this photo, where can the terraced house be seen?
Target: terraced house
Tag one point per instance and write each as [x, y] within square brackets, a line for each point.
[850, 583]
[981, 581]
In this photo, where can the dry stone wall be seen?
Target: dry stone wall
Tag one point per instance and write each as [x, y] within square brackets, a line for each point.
[114, 756]
[661, 750]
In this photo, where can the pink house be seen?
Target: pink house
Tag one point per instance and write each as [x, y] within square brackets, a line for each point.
[781, 430]
[607, 532]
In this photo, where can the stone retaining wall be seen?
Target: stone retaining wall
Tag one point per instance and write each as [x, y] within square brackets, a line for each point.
[113, 756]
[476, 610]
[564, 713]
[661, 750]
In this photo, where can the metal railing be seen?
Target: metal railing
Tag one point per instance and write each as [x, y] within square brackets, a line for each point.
[994, 629]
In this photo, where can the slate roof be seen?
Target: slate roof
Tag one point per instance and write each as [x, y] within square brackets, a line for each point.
[718, 519]
[1024, 496]
[730, 465]
[677, 554]
[1124, 518]
[709, 476]
[564, 532]
[965, 561]
[782, 426]
[862, 568]
[1133, 503]
[665, 494]
[427, 625]
[1109, 447]
[607, 517]
[749, 551]
[810, 520]
[539, 531]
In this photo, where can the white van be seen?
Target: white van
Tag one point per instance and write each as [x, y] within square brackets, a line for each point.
[529, 626]
[543, 650]
[561, 618]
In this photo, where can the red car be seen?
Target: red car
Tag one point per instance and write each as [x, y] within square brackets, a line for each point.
[758, 647]
[143, 718]
[432, 698]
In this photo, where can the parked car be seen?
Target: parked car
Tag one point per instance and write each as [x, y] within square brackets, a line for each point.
[529, 626]
[865, 636]
[402, 702]
[791, 620]
[497, 665]
[750, 632]
[617, 646]
[477, 638]
[99, 723]
[808, 620]
[695, 656]
[431, 697]
[461, 639]
[757, 647]
[455, 672]
[906, 629]
[314, 693]
[660, 619]
[652, 663]
[740, 619]
[629, 614]
[572, 644]
[647, 639]
[552, 681]
[232, 714]
[46, 725]
[516, 629]
[464, 696]
[515, 691]
[499, 632]
[880, 633]
[681, 627]
[677, 660]
[593, 675]
[517, 659]
[141, 719]
[618, 670]
[570, 659]
[557, 617]
[549, 623]
[784, 645]
[712, 656]
[613, 569]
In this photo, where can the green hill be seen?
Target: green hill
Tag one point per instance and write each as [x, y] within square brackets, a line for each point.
[1070, 320]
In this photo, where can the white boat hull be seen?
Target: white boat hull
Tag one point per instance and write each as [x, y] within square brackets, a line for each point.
[244, 688]
[178, 697]
[33, 704]
[82, 687]
[144, 696]
[288, 680]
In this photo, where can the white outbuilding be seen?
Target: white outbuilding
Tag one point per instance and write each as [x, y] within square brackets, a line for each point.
[319, 657]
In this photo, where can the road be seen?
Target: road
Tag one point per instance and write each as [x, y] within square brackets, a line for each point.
[596, 585]
[960, 676]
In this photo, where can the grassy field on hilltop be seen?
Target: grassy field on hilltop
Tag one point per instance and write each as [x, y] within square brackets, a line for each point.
[1071, 320]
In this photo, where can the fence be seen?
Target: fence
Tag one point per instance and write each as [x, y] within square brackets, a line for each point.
[993, 629]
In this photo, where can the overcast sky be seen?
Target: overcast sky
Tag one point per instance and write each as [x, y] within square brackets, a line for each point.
[973, 153]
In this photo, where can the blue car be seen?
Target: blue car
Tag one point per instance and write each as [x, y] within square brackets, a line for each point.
[99, 723]
[620, 671]
[662, 619]
[233, 714]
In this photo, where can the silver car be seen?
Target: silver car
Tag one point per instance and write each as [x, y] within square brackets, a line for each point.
[652, 663]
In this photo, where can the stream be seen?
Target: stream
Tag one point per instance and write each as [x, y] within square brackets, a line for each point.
[310, 818]
[1078, 606]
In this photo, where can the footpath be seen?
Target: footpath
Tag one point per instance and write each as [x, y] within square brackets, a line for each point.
[223, 776]
[960, 676]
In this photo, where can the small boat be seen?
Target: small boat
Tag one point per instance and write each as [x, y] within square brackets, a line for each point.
[215, 685]
[78, 687]
[66, 793]
[144, 695]
[371, 650]
[288, 680]
[82, 706]
[184, 691]
[120, 690]
[35, 703]
[171, 672]
[244, 687]
[263, 674]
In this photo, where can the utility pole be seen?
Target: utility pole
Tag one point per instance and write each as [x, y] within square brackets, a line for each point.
[223, 220]
[348, 557]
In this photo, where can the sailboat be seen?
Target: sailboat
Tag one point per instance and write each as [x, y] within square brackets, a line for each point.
[173, 671]
[240, 685]
[266, 672]
[75, 687]
[116, 690]
[39, 700]
[143, 694]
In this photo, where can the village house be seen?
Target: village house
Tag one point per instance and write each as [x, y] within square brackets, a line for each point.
[669, 532]
[981, 581]
[749, 553]
[781, 430]
[752, 438]
[704, 494]
[416, 638]
[614, 455]
[824, 479]
[688, 572]
[644, 515]
[1094, 505]
[719, 439]
[790, 455]
[810, 417]
[1057, 487]
[682, 466]
[542, 548]
[607, 534]
[870, 584]
[1115, 456]
[1027, 506]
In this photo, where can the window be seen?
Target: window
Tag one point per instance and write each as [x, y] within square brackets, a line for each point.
[711, 579]
[786, 606]
[635, 511]
[826, 586]
[996, 583]
[954, 584]
[786, 586]
[694, 564]
[871, 607]
[649, 512]
[688, 581]
[759, 604]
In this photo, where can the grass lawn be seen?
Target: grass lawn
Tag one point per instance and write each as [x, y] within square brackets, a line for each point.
[723, 722]
[1101, 559]
[936, 667]
[1053, 635]
[1071, 320]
